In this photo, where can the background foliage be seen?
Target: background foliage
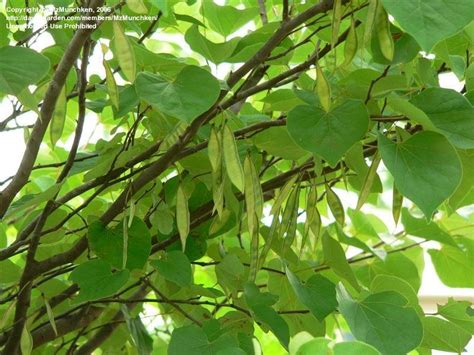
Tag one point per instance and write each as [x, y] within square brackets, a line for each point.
[230, 199]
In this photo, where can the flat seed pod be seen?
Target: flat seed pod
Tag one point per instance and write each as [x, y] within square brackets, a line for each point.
[50, 315]
[397, 202]
[370, 20]
[124, 52]
[214, 150]
[253, 193]
[368, 181]
[26, 341]
[182, 215]
[335, 205]
[382, 27]
[336, 21]
[232, 160]
[274, 227]
[59, 116]
[112, 89]
[282, 195]
[351, 44]
[323, 89]
[311, 212]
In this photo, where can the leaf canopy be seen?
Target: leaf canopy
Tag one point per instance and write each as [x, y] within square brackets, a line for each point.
[235, 177]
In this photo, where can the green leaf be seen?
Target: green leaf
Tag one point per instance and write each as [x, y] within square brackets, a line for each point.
[28, 201]
[354, 348]
[426, 168]
[20, 67]
[382, 320]
[462, 196]
[260, 305]
[215, 52]
[451, 113]
[141, 339]
[175, 267]
[96, 280]
[226, 19]
[9, 271]
[431, 21]
[328, 134]
[453, 266]
[193, 340]
[395, 264]
[382, 283]
[192, 93]
[162, 5]
[405, 107]
[137, 6]
[230, 272]
[420, 227]
[316, 346]
[335, 257]
[108, 243]
[187, 340]
[458, 312]
[318, 294]
[277, 141]
[442, 335]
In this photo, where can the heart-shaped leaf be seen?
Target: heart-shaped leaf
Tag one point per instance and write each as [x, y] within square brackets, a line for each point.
[328, 134]
[215, 52]
[192, 93]
[108, 243]
[426, 168]
[318, 294]
[451, 113]
[431, 21]
[383, 320]
[20, 67]
[175, 267]
[260, 304]
[96, 280]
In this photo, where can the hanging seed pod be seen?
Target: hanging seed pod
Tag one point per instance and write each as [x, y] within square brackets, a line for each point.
[397, 202]
[351, 45]
[384, 35]
[182, 215]
[232, 160]
[111, 85]
[336, 21]
[253, 194]
[368, 182]
[124, 52]
[214, 150]
[323, 89]
[370, 21]
[335, 205]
